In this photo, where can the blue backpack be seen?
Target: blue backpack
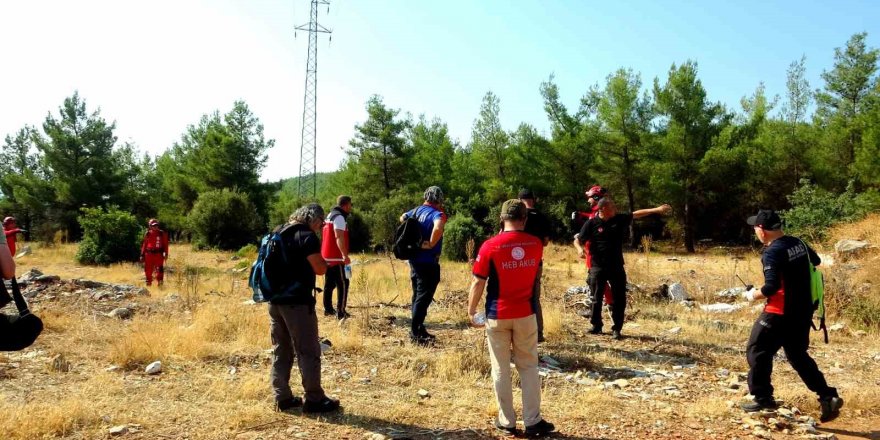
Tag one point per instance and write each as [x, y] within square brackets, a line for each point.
[269, 276]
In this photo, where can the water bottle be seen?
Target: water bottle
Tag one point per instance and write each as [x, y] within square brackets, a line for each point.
[479, 318]
[348, 271]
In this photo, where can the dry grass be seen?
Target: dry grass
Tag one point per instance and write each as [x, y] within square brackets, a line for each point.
[214, 351]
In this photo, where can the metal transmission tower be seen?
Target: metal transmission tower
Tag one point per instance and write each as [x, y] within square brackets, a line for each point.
[308, 184]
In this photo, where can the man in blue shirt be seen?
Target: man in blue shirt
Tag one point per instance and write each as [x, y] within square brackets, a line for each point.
[425, 267]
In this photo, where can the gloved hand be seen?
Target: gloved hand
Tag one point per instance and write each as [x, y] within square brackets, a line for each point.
[749, 295]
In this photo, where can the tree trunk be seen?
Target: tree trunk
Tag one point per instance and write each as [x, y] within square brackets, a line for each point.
[688, 223]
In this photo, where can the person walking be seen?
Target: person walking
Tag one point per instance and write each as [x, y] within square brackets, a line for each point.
[606, 233]
[786, 319]
[11, 230]
[293, 323]
[425, 267]
[538, 225]
[508, 264]
[154, 252]
[335, 250]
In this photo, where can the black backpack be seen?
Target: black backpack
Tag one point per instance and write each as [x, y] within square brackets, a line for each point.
[408, 239]
[17, 332]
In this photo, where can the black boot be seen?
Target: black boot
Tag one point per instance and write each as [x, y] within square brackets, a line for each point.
[759, 404]
[830, 406]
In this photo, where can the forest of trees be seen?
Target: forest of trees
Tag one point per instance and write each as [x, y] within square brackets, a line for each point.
[812, 152]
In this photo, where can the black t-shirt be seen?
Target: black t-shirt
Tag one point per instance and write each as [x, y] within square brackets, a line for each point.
[300, 242]
[787, 277]
[537, 225]
[606, 239]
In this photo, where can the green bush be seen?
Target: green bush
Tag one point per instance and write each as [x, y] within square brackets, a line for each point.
[814, 210]
[109, 236]
[864, 311]
[225, 220]
[384, 216]
[459, 230]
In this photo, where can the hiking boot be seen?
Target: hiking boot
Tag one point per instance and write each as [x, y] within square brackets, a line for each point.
[331, 312]
[595, 331]
[615, 334]
[322, 406]
[510, 431]
[288, 404]
[540, 429]
[541, 339]
[830, 407]
[759, 404]
[343, 315]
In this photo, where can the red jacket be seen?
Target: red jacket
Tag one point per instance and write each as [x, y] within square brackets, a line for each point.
[10, 239]
[155, 242]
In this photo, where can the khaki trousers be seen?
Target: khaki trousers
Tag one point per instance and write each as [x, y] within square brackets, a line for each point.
[518, 337]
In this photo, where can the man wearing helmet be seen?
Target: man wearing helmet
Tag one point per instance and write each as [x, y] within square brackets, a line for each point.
[154, 252]
[10, 229]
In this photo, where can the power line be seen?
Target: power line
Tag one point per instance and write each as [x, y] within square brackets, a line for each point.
[309, 145]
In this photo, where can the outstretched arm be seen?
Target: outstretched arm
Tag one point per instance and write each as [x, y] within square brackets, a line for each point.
[662, 210]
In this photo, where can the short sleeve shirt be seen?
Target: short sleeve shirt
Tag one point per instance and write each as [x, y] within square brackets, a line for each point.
[426, 216]
[339, 223]
[606, 239]
[509, 262]
[300, 242]
[537, 224]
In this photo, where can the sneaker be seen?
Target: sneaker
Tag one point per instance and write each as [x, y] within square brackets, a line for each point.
[510, 431]
[830, 408]
[322, 406]
[285, 405]
[595, 331]
[615, 334]
[421, 340]
[759, 404]
[343, 315]
[330, 312]
[539, 429]
[541, 339]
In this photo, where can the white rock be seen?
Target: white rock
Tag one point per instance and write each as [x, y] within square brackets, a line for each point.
[836, 327]
[154, 368]
[849, 246]
[721, 307]
[120, 313]
[423, 393]
[674, 330]
[119, 430]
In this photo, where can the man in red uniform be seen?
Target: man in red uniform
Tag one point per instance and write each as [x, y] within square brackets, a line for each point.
[154, 251]
[508, 263]
[594, 194]
[335, 249]
[11, 229]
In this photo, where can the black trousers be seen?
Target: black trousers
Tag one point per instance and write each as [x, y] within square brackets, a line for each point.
[616, 277]
[536, 300]
[333, 279]
[425, 277]
[772, 332]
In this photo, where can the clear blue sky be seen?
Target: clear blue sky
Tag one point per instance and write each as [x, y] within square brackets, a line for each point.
[156, 67]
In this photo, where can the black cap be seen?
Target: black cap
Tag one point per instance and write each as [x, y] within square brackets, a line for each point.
[766, 219]
[526, 193]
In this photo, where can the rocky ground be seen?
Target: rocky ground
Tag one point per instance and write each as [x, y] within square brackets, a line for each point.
[678, 374]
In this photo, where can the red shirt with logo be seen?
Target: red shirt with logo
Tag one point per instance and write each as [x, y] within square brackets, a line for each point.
[509, 262]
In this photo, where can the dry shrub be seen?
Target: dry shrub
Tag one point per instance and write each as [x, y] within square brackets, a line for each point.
[468, 362]
[54, 418]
